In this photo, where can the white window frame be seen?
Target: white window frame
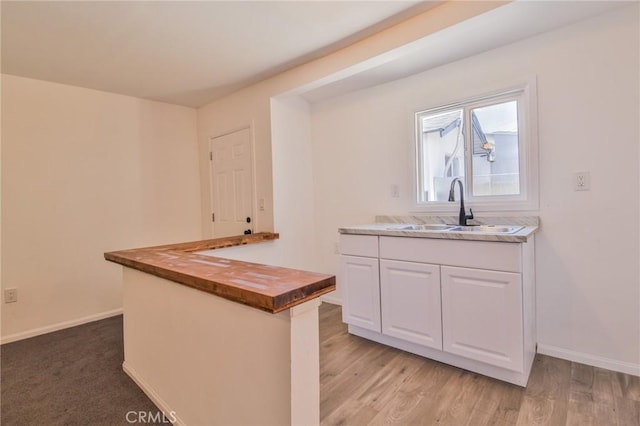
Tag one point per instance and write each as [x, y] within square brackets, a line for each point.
[528, 199]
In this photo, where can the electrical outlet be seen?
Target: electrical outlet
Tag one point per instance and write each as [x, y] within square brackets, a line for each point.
[581, 181]
[11, 295]
[395, 191]
[261, 204]
[336, 248]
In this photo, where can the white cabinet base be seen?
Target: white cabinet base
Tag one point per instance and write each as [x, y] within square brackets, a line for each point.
[470, 304]
[516, 378]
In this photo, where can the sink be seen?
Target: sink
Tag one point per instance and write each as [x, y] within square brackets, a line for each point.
[423, 227]
[398, 226]
[434, 227]
[487, 229]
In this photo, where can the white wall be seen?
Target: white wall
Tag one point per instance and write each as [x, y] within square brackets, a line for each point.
[252, 105]
[588, 105]
[84, 172]
[294, 211]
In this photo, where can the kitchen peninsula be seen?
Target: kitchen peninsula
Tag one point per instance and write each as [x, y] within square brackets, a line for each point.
[218, 341]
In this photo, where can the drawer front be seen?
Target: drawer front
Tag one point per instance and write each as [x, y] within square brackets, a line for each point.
[359, 245]
[470, 254]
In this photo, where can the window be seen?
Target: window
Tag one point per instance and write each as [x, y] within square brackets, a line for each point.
[487, 143]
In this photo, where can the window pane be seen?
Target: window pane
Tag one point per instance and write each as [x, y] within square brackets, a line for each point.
[494, 141]
[441, 153]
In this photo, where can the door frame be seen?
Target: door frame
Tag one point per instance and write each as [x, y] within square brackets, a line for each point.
[254, 220]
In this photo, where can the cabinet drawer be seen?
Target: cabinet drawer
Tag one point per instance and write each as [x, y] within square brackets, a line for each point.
[359, 245]
[471, 254]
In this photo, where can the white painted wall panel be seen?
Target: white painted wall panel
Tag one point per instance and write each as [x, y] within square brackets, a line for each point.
[84, 172]
[588, 292]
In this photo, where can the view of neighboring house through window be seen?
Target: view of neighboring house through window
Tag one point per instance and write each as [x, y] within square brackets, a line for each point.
[495, 162]
[480, 142]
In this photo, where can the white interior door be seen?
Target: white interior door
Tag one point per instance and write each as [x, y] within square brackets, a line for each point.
[232, 184]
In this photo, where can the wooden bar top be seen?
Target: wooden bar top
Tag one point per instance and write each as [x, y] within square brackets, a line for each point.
[270, 288]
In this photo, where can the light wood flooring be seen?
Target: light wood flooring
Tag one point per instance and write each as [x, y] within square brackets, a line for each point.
[365, 383]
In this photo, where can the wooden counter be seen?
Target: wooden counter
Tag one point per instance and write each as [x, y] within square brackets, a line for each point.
[269, 288]
[207, 360]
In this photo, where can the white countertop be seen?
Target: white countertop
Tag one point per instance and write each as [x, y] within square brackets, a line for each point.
[396, 227]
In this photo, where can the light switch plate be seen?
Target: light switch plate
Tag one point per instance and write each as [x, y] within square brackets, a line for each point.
[11, 295]
[581, 181]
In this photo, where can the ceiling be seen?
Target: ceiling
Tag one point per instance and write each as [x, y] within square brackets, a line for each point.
[501, 26]
[182, 52]
[192, 52]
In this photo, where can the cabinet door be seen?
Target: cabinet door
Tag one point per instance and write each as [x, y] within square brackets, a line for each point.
[360, 282]
[482, 316]
[411, 302]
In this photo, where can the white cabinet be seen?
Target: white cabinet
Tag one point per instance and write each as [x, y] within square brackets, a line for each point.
[360, 281]
[466, 303]
[482, 316]
[410, 294]
[360, 292]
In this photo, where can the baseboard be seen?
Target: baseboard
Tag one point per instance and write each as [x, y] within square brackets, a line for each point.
[328, 298]
[592, 360]
[59, 326]
[153, 396]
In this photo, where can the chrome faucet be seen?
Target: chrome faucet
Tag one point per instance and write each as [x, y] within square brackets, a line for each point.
[462, 220]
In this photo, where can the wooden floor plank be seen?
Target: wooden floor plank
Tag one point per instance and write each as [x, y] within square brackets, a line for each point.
[354, 376]
[627, 386]
[352, 412]
[498, 405]
[627, 412]
[417, 397]
[417, 394]
[546, 397]
[461, 398]
[331, 320]
[590, 397]
[386, 382]
[580, 409]
[603, 400]
[344, 350]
